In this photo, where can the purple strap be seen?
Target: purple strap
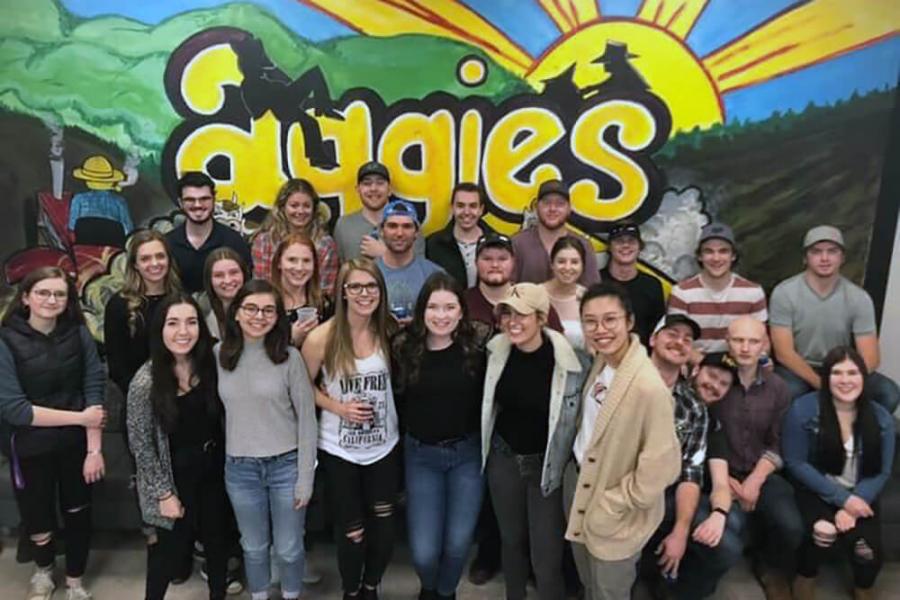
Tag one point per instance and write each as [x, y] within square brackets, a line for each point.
[18, 478]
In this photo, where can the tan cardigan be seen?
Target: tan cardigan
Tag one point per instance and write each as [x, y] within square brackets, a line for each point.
[633, 456]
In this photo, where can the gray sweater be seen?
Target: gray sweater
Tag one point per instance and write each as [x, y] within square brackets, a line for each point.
[270, 410]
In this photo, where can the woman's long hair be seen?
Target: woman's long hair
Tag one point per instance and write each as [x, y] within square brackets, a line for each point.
[134, 291]
[223, 253]
[72, 312]
[313, 291]
[276, 341]
[276, 222]
[410, 346]
[164, 389]
[339, 354]
[830, 450]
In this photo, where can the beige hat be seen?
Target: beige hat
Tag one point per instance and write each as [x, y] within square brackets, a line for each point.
[823, 233]
[527, 298]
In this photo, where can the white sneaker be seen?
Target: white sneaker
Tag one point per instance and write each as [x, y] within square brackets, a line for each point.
[42, 586]
[78, 593]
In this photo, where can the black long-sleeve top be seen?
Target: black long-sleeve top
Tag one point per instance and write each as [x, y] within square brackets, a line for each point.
[523, 395]
[126, 352]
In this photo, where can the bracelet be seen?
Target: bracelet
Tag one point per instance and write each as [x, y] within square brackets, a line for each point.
[721, 511]
[96, 452]
[166, 496]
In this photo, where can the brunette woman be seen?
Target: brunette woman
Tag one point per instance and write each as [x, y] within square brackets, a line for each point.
[439, 373]
[296, 210]
[270, 436]
[176, 435]
[567, 265]
[358, 428]
[52, 387]
[150, 274]
[838, 445]
[529, 416]
[295, 274]
[224, 274]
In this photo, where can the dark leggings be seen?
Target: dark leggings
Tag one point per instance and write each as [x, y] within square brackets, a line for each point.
[363, 501]
[201, 489]
[865, 565]
[53, 475]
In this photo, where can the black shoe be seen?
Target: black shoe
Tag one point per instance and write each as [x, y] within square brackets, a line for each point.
[367, 593]
[443, 597]
[427, 594]
[480, 574]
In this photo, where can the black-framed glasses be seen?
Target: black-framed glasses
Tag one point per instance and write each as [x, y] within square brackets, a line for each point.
[356, 289]
[251, 310]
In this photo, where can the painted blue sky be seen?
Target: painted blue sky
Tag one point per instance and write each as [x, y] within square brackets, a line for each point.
[525, 22]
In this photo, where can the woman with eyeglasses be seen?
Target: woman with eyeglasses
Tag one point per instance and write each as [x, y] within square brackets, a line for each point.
[270, 436]
[296, 211]
[350, 355]
[295, 273]
[176, 433]
[626, 452]
[528, 419]
[438, 377]
[567, 265]
[52, 386]
[224, 274]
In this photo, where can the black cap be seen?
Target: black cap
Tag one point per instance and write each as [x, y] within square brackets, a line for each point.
[720, 360]
[554, 186]
[493, 240]
[373, 167]
[678, 319]
[621, 228]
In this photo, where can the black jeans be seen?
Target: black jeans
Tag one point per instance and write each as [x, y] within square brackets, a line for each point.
[363, 500]
[865, 570]
[528, 521]
[58, 474]
[200, 481]
[776, 522]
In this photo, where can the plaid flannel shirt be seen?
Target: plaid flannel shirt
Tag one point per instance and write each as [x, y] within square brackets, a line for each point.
[691, 424]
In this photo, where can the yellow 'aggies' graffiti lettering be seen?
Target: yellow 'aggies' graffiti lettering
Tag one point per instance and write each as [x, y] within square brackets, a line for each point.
[601, 146]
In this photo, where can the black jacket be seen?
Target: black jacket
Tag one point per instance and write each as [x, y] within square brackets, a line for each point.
[441, 248]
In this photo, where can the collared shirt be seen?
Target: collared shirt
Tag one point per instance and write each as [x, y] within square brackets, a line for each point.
[191, 260]
[751, 422]
[691, 425]
[263, 249]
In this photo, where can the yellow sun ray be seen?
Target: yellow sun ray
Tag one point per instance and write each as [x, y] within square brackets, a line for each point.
[675, 16]
[569, 15]
[442, 18]
[808, 34]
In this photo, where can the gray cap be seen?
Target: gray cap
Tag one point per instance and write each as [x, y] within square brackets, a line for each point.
[823, 233]
[717, 231]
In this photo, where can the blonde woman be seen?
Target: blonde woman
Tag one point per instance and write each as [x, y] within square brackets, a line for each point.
[358, 426]
[296, 210]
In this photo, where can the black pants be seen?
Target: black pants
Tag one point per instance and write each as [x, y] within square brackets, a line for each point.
[199, 479]
[810, 556]
[487, 534]
[58, 474]
[363, 499]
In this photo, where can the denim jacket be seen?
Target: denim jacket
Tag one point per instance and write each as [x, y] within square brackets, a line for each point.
[569, 370]
[798, 445]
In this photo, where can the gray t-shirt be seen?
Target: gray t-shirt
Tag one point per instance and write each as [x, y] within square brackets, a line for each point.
[350, 229]
[820, 323]
[403, 284]
[467, 251]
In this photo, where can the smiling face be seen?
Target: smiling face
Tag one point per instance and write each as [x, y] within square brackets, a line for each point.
[399, 234]
[673, 344]
[524, 331]
[374, 191]
[181, 329]
[442, 313]
[197, 203]
[845, 381]
[746, 341]
[152, 262]
[605, 325]
[298, 210]
[824, 259]
[553, 211]
[467, 209]
[495, 266]
[47, 299]
[226, 278]
[712, 383]
[624, 249]
[716, 257]
[362, 293]
[257, 315]
[297, 265]
[567, 266]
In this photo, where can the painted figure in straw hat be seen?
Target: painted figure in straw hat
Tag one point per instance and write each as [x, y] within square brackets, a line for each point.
[101, 200]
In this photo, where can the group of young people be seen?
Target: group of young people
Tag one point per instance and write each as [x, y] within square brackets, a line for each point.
[515, 398]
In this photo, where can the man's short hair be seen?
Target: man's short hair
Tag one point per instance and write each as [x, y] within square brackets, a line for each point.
[196, 179]
[467, 186]
[608, 289]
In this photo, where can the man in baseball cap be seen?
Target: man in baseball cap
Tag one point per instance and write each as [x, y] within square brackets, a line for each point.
[820, 309]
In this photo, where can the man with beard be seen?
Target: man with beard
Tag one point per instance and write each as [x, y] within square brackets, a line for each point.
[191, 242]
[404, 272]
[532, 246]
[454, 246]
[357, 234]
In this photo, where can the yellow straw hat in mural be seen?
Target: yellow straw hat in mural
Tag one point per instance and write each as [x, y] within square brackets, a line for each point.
[97, 168]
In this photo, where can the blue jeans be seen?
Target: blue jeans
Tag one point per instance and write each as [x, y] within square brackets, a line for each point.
[881, 389]
[262, 491]
[444, 488]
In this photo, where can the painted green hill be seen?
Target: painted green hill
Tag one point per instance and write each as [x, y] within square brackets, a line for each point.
[105, 75]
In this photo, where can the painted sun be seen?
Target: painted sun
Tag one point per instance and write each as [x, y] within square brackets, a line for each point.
[692, 86]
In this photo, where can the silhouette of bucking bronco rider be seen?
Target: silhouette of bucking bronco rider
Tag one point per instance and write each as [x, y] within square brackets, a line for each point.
[622, 76]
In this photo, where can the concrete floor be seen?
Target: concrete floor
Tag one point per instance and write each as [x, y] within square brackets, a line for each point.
[117, 566]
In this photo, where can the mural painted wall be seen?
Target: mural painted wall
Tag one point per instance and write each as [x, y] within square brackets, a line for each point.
[771, 115]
